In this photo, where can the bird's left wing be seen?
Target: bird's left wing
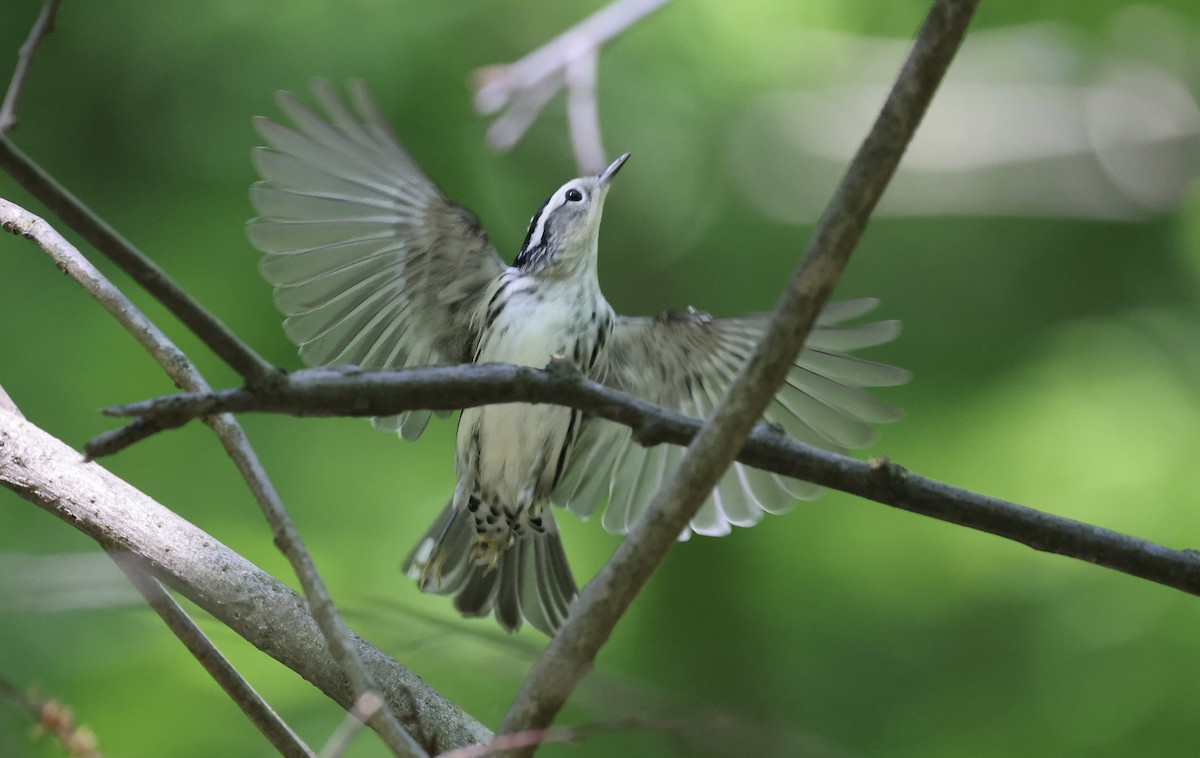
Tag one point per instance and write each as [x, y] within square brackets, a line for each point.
[686, 361]
[371, 264]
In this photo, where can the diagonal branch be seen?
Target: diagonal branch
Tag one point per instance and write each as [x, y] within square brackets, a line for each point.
[16, 87]
[252, 603]
[19, 221]
[604, 600]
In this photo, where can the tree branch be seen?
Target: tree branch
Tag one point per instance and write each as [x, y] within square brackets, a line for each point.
[523, 88]
[12, 98]
[583, 117]
[19, 221]
[604, 600]
[347, 391]
[237, 593]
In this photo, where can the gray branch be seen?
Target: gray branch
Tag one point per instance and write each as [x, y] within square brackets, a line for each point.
[16, 86]
[269, 615]
[345, 391]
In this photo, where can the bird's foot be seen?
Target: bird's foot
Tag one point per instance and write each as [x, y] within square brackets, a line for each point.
[487, 550]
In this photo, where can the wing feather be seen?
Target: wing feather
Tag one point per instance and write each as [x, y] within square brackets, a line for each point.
[371, 264]
[686, 361]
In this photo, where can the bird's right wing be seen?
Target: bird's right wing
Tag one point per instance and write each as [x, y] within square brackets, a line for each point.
[686, 361]
[372, 265]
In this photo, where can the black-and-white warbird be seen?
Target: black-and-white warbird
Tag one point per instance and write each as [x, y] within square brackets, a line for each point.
[374, 267]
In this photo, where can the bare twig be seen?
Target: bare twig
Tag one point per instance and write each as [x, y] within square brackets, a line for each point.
[53, 718]
[249, 364]
[12, 98]
[583, 115]
[538, 737]
[19, 221]
[505, 132]
[252, 603]
[351, 725]
[526, 86]
[604, 600]
[274, 728]
[67, 258]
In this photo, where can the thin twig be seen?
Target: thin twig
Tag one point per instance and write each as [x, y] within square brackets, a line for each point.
[19, 221]
[604, 600]
[505, 132]
[16, 87]
[270, 616]
[582, 115]
[55, 719]
[357, 392]
[262, 715]
[249, 364]
[352, 723]
[524, 87]
[538, 737]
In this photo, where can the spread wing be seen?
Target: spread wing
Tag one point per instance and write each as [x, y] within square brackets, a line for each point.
[686, 361]
[372, 265]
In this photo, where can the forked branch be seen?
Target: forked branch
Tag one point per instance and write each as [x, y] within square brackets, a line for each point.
[523, 88]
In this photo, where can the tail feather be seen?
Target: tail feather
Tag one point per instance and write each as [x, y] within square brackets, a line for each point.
[530, 581]
[555, 587]
[478, 594]
[508, 598]
[427, 562]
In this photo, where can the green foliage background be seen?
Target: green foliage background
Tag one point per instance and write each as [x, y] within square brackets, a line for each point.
[1056, 365]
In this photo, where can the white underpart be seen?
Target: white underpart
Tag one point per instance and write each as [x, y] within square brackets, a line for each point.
[520, 442]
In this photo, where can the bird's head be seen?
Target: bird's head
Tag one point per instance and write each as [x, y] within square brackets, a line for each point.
[565, 230]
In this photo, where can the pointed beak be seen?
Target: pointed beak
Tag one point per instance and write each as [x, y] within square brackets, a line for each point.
[607, 174]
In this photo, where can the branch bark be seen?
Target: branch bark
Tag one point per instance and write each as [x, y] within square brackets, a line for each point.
[237, 593]
[357, 392]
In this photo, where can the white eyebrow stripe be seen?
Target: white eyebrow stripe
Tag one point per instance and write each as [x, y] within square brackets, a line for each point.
[539, 221]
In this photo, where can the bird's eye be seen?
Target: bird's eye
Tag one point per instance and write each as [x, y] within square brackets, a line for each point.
[574, 195]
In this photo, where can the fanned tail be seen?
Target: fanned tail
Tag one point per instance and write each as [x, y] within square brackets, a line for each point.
[529, 579]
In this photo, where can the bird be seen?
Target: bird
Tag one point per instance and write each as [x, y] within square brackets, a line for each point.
[373, 266]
